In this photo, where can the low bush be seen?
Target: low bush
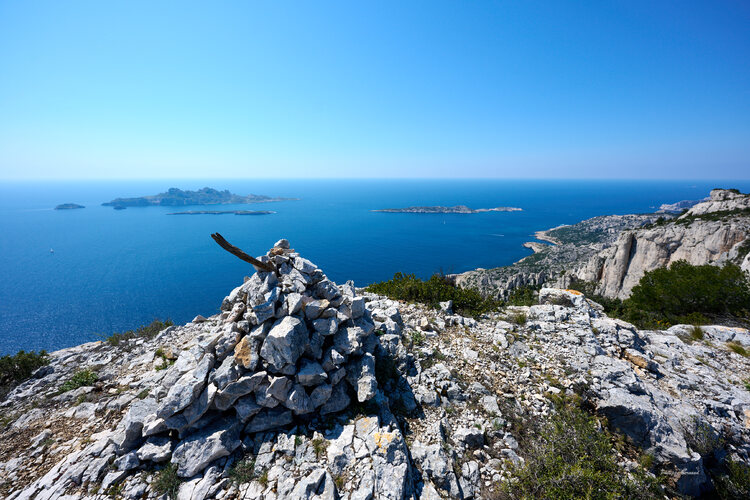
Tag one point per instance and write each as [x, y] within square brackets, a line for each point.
[409, 288]
[167, 482]
[242, 471]
[573, 457]
[682, 289]
[681, 293]
[738, 348]
[524, 296]
[735, 483]
[81, 378]
[19, 367]
[146, 331]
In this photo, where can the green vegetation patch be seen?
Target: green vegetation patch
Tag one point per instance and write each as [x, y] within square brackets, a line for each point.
[681, 293]
[409, 288]
[573, 457]
[714, 216]
[738, 348]
[527, 295]
[167, 482]
[242, 471]
[81, 378]
[15, 369]
[735, 482]
[145, 332]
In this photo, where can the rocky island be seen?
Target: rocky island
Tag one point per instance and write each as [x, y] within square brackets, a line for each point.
[176, 198]
[224, 212]
[457, 209]
[68, 206]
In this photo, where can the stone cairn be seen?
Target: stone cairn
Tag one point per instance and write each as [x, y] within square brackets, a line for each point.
[289, 345]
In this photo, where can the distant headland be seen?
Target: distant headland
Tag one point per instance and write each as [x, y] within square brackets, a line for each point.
[458, 209]
[224, 212]
[68, 206]
[177, 198]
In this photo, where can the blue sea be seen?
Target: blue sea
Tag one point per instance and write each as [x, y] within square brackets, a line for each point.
[115, 270]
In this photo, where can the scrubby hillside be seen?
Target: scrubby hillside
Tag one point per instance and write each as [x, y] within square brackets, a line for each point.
[303, 389]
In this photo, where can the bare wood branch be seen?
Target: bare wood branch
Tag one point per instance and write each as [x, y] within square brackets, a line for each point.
[260, 266]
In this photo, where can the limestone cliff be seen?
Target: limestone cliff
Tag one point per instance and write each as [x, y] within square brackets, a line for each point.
[616, 250]
[712, 232]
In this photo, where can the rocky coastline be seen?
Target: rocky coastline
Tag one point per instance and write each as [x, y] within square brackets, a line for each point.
[615, 251]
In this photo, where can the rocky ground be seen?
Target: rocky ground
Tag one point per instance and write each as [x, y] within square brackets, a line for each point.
[429, 404]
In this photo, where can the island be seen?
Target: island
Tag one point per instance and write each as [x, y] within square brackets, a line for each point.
[224, 212]
[68, 206]
[175, 197]
[457, 209]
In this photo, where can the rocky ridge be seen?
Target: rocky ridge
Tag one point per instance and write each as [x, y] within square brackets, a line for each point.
[615, 251]
[551, 262]
[428, 405]
[711, 232]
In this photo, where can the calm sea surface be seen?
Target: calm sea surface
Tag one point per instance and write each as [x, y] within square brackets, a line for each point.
[114, 270]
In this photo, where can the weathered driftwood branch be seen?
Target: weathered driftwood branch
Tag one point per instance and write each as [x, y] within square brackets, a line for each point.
[260, 266]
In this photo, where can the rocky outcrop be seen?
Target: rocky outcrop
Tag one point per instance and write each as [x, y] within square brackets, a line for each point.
[289, 347]
[711, 232]
[300, 388]
[615, 251]
[551, 264]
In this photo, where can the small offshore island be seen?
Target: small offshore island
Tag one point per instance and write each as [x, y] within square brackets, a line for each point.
[457, 209]
[68, 206]
[175, 197]
[224, 212]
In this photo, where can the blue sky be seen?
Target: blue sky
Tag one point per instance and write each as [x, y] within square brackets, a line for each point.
[631, 89]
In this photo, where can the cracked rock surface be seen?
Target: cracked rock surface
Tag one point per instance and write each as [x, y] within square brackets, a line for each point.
[301, 388]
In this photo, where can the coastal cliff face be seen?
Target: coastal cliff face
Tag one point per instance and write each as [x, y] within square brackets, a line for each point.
[401, 402]
[711, 232]
[551, 262]
[615, 251]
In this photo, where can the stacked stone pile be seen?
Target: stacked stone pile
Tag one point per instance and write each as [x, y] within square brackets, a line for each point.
[290, 345]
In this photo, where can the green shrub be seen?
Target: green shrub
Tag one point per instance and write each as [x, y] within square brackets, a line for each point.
[518, 318]
[683, 288]
[167, 482]
[81, 378]
[437, 289]
[738, 348]
[735, 484]
[242, 471]
[701, 437]
[571, 458]
[320, 446]
[682, 293]
[15, 369]
[524, 296]
[146, 331]
[417, 337]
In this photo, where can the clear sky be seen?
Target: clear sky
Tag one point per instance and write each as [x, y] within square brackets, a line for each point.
[159, 89]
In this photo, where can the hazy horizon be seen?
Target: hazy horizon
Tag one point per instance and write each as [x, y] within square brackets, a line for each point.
[168, 90]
